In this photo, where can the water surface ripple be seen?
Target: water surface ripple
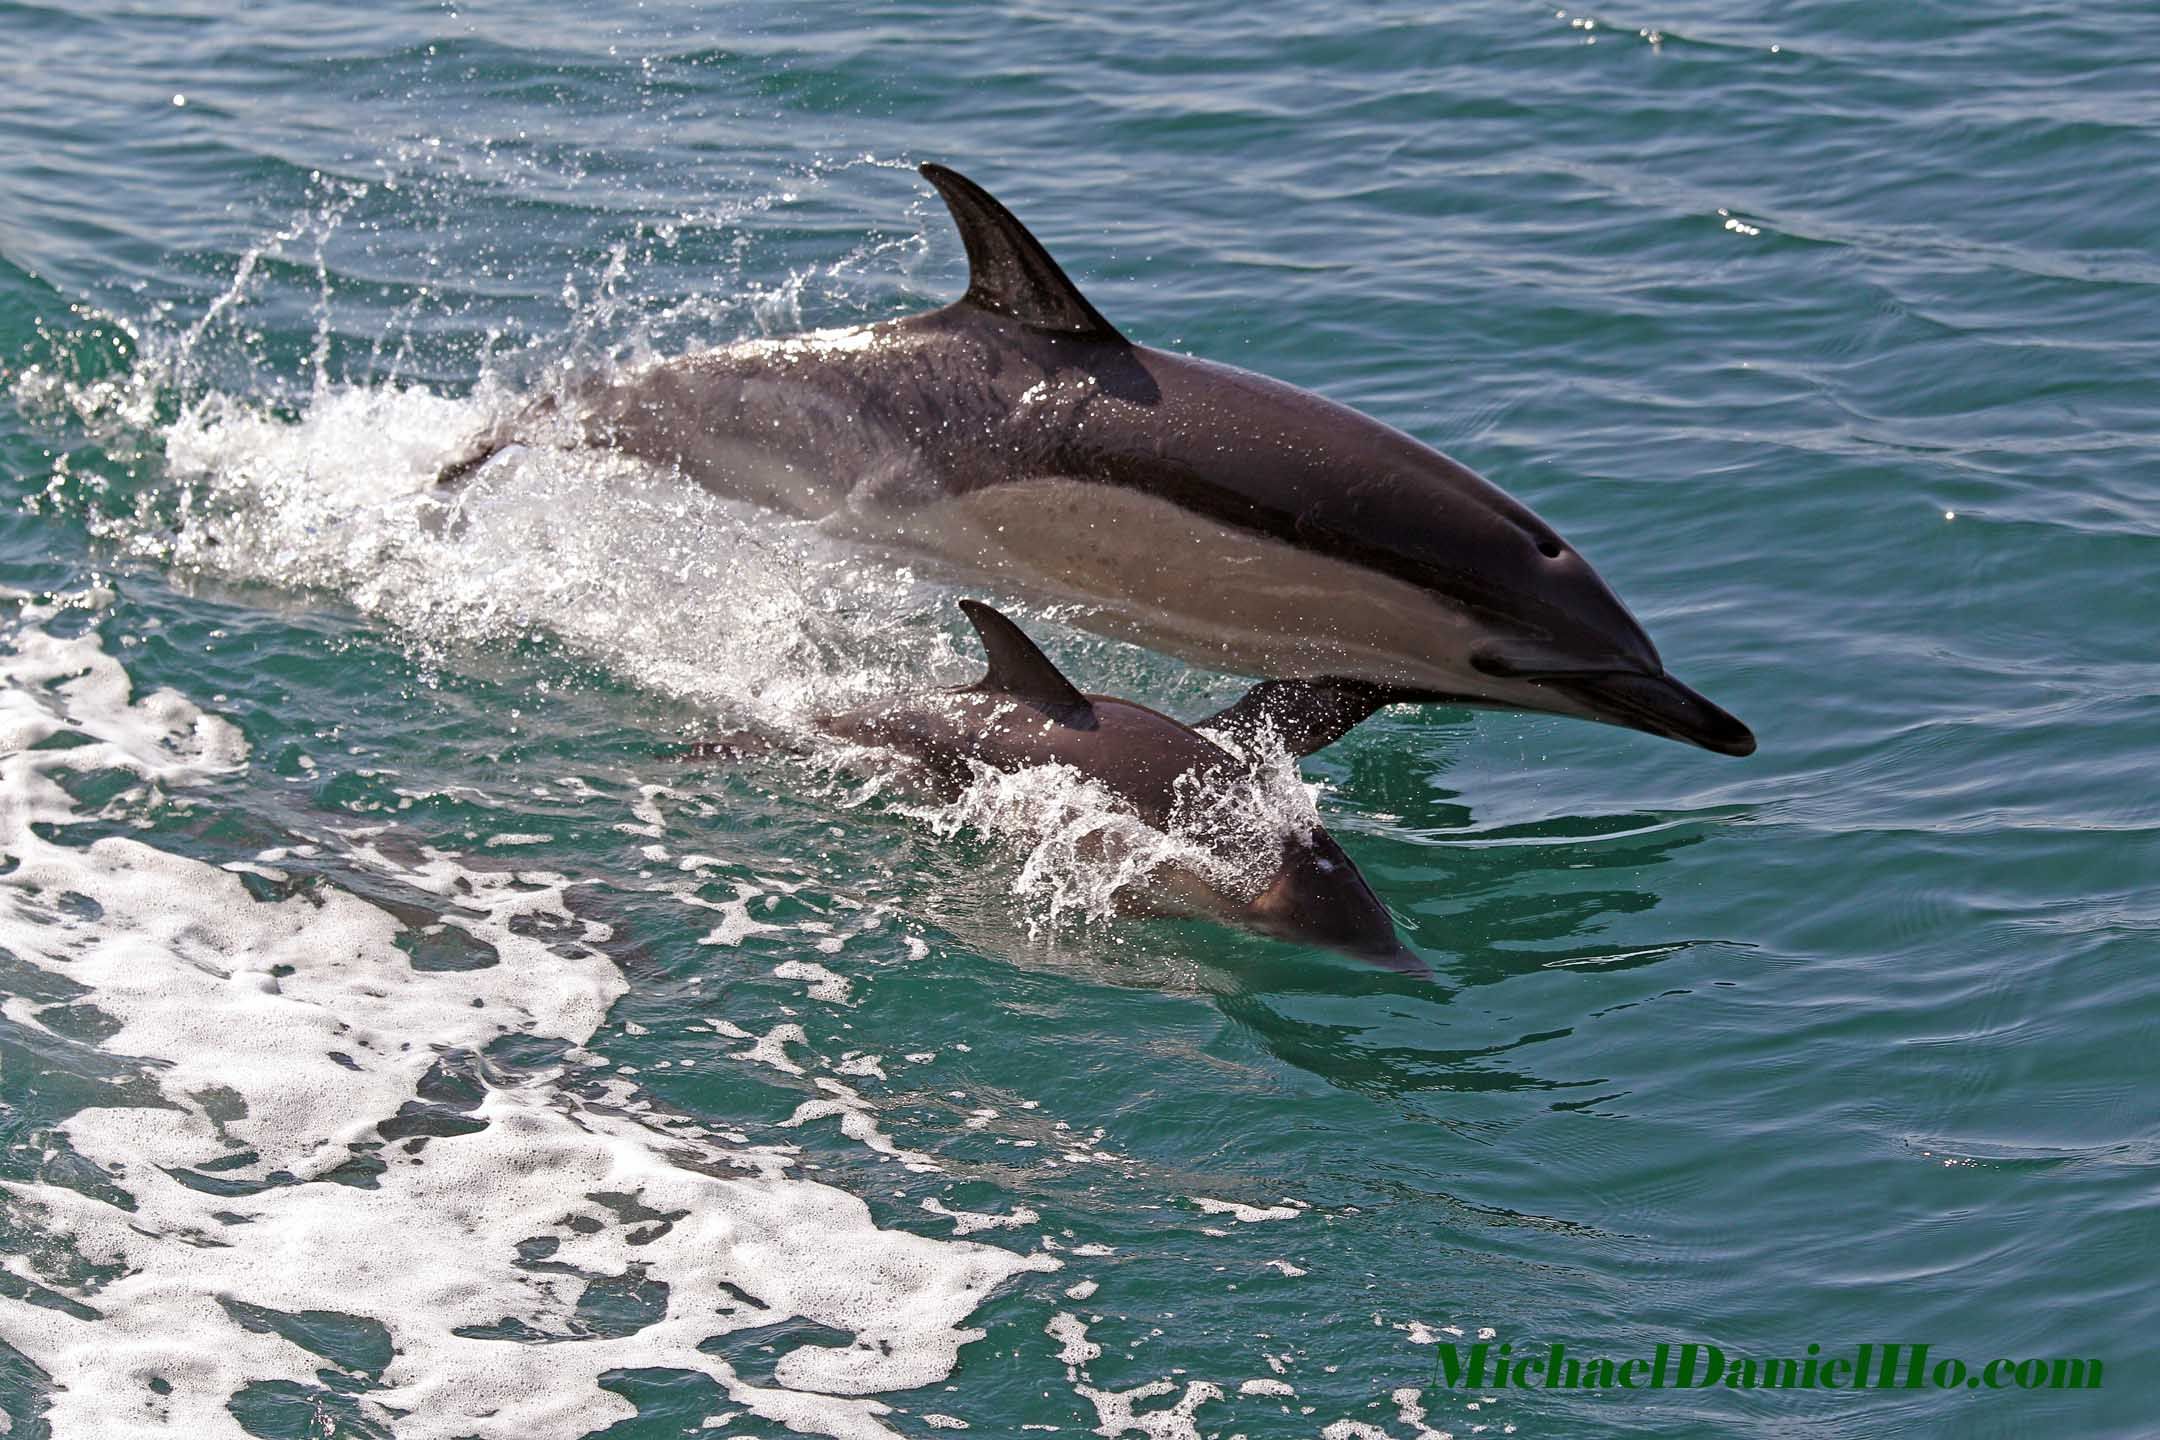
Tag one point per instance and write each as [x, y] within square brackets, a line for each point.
[394, 1040]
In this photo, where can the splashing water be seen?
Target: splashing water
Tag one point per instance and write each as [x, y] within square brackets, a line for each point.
[1088, 858]
[749, 617]
[284, 1038]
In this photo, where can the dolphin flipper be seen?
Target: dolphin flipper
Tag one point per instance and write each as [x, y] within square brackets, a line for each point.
[1009, 272]
[476, 454]
[499, 435]
[1306, 715]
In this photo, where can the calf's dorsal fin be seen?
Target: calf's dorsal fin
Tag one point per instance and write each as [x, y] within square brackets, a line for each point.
[1017, 668]
[1009, 272]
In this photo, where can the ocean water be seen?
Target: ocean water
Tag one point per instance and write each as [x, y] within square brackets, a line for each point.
[397, 1039]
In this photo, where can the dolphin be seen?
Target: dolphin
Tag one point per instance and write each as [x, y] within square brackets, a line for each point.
[1231, 520]
[1299, 887]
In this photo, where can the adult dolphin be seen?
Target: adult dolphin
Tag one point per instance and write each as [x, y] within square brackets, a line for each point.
[1229, 519]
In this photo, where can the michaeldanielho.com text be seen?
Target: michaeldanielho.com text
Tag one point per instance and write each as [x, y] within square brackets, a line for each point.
[1700, 1366]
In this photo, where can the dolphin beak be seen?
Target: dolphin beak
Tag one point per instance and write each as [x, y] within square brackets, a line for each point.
[1658, 704]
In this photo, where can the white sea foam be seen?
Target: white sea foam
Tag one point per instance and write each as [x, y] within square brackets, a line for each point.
[967, 1222]
[819, 982]
[1245, 1214]
[1075, 1350]
[279, 1034]
[858, 1122]
[1118, 1412]
[771, 1048]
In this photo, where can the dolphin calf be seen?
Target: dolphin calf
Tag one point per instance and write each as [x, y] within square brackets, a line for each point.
[1299, 887]
[1231, 520]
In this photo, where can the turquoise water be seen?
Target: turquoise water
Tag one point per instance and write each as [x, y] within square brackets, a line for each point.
[395, 1036]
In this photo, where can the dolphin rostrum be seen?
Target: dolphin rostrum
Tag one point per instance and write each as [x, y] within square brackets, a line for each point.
[1024, 713]
[1223, 517]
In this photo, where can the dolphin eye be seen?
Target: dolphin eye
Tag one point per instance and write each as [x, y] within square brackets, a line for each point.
[1549, 548]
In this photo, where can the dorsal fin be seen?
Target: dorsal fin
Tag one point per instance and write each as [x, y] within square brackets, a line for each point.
[1017, 668]
[1009, 272]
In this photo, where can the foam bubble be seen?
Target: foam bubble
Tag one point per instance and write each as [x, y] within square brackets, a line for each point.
[967, 1222]
[820, 983]
[284, 1038]
[858, 1122]
[1118, 1411]
[1245, 1214]
[1071, 1333]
